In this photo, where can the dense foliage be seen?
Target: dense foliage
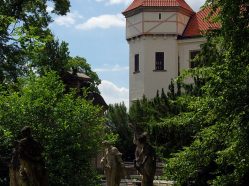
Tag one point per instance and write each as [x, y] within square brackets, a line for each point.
[158, 117]
[118, 124]
[150, 116]
[27, 44]
[203, 131]
[23, 32]
[219, 152]
[69, 127]
[55, 56]
[32, 62]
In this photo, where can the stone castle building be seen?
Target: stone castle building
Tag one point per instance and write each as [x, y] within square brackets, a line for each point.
[163, 37]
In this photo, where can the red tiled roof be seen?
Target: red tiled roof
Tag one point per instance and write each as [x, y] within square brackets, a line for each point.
[158, 3]
[198, 23]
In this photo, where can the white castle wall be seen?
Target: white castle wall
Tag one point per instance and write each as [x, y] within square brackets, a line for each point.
[185, 46]
[134, 25]
[148, 81]
[148, 32]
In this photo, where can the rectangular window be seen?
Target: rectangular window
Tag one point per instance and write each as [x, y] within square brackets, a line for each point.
[159, 64]
[136, 63]
[192, 55]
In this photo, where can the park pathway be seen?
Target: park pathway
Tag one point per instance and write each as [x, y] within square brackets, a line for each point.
[134, 179]
[130, 182]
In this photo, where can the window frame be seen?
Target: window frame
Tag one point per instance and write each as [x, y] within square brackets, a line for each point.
[191, 64]
[136, 63]
[159, 61]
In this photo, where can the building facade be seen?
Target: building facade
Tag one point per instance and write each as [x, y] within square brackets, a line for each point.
[163, 37]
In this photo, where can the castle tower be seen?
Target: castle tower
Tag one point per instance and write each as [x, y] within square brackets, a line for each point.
[152, 31]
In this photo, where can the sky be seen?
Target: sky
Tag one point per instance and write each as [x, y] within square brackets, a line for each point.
[95, 30]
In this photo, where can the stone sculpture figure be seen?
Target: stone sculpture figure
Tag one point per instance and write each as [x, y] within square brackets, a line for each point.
[145, 160]
[27, 165]
[14, 166]
[113, 164]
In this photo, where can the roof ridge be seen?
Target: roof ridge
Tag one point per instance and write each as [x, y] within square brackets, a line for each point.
[158, 3]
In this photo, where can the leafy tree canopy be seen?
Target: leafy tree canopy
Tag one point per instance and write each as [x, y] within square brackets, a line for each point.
[69, 127]
[203, 131]
[118, 124]
[219, 152]
[31, 93]
[23, 31]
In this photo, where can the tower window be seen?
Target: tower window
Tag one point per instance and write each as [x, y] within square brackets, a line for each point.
[160, 16]
[192, 55]
[136, 67]
[159, 64]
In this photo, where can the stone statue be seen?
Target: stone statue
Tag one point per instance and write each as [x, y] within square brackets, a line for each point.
[145, 160]
[14, 166]
[27, 166]
[113, 164]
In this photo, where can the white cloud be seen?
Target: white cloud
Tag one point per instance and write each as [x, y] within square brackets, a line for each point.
[116, 68]
[103, 21]
[114, 94]
[111, 2]
[68, 20]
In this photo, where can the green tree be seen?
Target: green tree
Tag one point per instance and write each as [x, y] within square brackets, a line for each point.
[118, 122]
[219, 151]
[23, 32]
[69, 127]
[55, 56]
[80, 64]
[155, 117]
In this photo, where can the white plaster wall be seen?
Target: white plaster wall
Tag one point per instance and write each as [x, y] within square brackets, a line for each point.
[182, 21]
[165, 25]
[162, 28]
[156, 80]
[149, 23]
[185, 46]
[154, 16]
[134, 26]
[134, 31]
[136, 80]
[148, 81]
[135, 18]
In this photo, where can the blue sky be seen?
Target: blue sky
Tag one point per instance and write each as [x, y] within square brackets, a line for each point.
[95, 30]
